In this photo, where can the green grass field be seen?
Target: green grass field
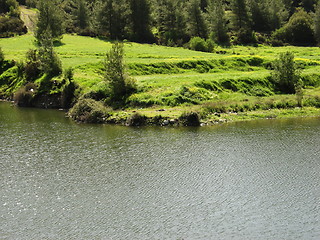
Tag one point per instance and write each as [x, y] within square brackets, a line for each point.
[176, 78]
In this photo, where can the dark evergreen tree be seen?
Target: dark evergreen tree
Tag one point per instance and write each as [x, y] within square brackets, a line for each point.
[82, 14]
[267, 15]
[217, 22]
[169, 21]
[195, 20]
[50, 62]
[114, 19]
[241, 16]
[316, 22]
[141, 21]
[50, 19]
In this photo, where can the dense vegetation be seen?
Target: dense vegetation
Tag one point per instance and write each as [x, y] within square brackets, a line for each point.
[173, 22]
[150, 83]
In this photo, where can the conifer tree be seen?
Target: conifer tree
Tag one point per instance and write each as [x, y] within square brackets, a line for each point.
[241, 16]
[50, 19]
[82, 15]
[141, 20]
[114, 18]
[316, 22]
[50, 62]
[169, 20]
[121, 85]
[217, 22]
[195, 20]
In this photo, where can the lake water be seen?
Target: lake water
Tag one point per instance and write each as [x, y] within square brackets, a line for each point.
[250, 180]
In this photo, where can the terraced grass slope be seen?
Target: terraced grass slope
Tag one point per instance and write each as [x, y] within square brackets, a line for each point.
[181, 78]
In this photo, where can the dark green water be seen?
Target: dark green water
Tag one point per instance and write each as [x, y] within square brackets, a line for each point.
[61, 180]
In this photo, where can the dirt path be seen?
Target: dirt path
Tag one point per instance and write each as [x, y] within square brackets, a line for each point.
[29, 17]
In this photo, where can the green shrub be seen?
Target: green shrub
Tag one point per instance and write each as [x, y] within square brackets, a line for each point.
[245, 36]
[210, 45]
[1, 56]
[89, 111]
[10, 26]
[32, 68]
[190, 119]
[285, 73]
[312, 101]
[24, 96]
[136, 120]
[298, 30]
[198, 44]
[209, 85]
[260, 91]
[230, 84]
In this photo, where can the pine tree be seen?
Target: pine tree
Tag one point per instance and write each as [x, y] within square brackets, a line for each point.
[241, 16]
[195, 20]
[141, 20]
[169, 21]
[50, 62]
[121, 85]
[81, 14]
[114, 19]
[316, 22]
[217, 21]
[50, 19]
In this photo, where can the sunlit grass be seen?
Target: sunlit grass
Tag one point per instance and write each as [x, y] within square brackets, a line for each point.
[86, 56]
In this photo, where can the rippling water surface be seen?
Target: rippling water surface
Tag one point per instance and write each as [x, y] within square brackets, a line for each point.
[254, 180]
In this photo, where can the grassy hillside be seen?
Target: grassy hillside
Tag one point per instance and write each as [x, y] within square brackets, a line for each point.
[235, 79]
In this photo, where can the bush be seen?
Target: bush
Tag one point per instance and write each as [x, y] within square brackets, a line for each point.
[10, 26]
[260, 91]
[245, 36]
[69, 88]
[1, 56]
[298, 30]
[32, 67]
[89, 111]
[285, 73]
[190, 119]
[24, 96]
[136, 119]
[198, 44]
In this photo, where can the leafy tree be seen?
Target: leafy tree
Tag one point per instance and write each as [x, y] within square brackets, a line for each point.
[9, 6]
[285, 73]
[50, 19]
[121, 85]
[217, 22]
[298, 30]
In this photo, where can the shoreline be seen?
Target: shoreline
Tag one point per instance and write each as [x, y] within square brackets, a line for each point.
[170, 117]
